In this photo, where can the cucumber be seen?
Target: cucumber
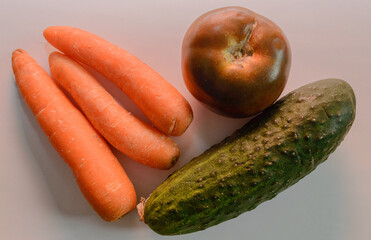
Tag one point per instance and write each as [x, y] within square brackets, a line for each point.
[269, 154]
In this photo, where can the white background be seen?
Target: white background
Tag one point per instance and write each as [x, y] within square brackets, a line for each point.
[39, 198]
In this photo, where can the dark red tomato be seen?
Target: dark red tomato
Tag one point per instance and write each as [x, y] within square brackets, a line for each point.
[235, 61]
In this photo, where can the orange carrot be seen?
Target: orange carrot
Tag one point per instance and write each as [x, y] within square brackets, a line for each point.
[98, 173]
[164, 106]
[124, 131]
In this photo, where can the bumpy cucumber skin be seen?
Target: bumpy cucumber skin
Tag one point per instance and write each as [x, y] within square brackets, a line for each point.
[269, 154]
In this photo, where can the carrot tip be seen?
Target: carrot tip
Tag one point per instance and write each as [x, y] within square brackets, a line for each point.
[173, 161]
[17, 52]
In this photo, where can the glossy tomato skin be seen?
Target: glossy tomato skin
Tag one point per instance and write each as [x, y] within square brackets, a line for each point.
[235, 61]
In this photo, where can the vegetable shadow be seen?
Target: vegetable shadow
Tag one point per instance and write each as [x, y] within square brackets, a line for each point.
[212, 128]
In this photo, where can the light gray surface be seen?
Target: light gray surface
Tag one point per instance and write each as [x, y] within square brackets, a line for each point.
[39, 198]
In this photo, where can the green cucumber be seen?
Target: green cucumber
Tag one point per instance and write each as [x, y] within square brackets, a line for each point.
[267, 155]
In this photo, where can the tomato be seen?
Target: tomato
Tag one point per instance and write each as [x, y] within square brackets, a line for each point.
[235, 61]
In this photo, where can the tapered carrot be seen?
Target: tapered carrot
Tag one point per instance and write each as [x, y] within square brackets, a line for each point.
[124, 131]
[98, 173]
[164, 106]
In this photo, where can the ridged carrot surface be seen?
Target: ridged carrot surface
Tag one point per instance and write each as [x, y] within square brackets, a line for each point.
[162, 103]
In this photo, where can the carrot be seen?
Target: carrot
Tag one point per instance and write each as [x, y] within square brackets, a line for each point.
[124, 131]
[164, 106]
[98, 173]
